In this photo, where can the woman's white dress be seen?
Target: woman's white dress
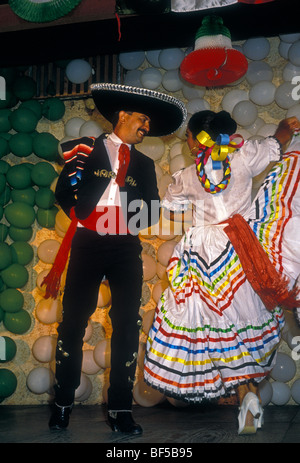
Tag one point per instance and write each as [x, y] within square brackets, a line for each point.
[211, 331]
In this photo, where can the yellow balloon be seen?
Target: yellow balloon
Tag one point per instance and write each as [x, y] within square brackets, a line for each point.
[165, 252]
[158, 289]
[104, 295]
[102, 353]
[149, 267]
[44, 348]
[148, 320]
[89, 366]
[161, 271]
[47, 250]
[145, 395]
[62, 220]
[49, 311]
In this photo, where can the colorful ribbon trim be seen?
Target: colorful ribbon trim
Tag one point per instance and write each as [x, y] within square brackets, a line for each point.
[220, 148]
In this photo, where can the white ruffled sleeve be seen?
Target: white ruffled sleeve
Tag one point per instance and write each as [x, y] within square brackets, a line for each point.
[175, 198]
[257, 154]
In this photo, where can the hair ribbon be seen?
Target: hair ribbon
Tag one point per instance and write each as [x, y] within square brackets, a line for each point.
[220, 148]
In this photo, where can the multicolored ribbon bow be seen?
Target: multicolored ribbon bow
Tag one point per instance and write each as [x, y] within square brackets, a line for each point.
[220, 148]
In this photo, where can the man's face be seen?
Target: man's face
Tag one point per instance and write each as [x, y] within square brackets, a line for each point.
[135, 126]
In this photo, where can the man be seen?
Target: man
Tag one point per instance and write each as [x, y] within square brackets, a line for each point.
[110, 194]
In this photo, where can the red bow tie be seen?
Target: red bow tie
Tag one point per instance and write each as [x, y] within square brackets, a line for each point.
[124, 158]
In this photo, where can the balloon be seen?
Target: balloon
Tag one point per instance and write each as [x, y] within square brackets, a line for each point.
[4, 147]
[262, 93]
[25, 195]
[5, 124]
[20, 234]
[153, 57]
[180, 162]
[53, 109]
[3, 231]
[102, 353]
[40, 380]
[8, 349]
[19, 176]
[158, 289]
[90, 129]
[289, 38]
[33, 105]
[89, 366]
[11, 300]
[290, 71]
[294, 111]
[15, 276]
[165, 251]
[8, 383]
[47, 250]
[170, 58]
[131, 60]
[23, 120]
[43, 174]
[244, 113]
[151, 78]
[256, 48]
[283, 49]
[153, 147]
[232, 98]
[149, 266]
[197, 104]
[20, 215]
[267, 130]
[84, 389]
[44, 197]
[78, 71]
[24, 87]
[44, 348]
[72, 127]
[22, 252]
[104, 295]
[5, 255]
[17, 322]
[148, 318]
[259, 71]
[88, 332]
[49, 311]
[284, 369]
[62, 220]
[171, 80]
[190, 92]
[295, 391]
[46, 217]
[145, 395]
[257, 124]
[165, 180]
[45, 146]
[40, 279]
[284, 95]
[281, 393]
[21, 144]
[161, 271]
[133, 78]
[294, 53]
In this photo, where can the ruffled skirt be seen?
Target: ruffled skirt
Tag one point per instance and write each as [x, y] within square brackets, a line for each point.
[211, 331]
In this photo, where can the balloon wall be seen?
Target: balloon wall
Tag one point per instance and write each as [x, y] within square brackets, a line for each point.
[32, 225]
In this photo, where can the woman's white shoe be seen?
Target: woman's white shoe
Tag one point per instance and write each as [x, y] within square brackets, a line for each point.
[250, 404]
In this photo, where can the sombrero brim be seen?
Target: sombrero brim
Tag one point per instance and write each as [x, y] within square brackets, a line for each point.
[167, 114]
[213, 67]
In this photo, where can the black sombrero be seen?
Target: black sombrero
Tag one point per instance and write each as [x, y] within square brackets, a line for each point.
[167, 113]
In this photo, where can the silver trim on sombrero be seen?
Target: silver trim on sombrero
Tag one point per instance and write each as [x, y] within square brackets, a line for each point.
[143, 92]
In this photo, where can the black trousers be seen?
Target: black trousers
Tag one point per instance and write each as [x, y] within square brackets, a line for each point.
[92, 257]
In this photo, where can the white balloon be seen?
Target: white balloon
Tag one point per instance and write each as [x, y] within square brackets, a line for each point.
[244, 113]
[89, 366]
[88, 332]
[175, 150]
[131, 60]
[284, 95]
[149, 266]
[265, 391]
[40, 380]
[153, 57]
[102, 353]
[232, 98]
[256, 48]
[257, 124]
[171, 58]
[190, 92]
[289, 38]
[295, 391]
[267, 130]
[171, 81]
[294, 111]
[290, 71]
[72, 127]
[133, 78]
[158, 289]
[284, 369]
[47, 250]
[145, 395]
[283, 49]
[151, 78]
[258, 71]
[281, 393]
[165, 252]
[83, 387]
[49, 311]
[78, 71]
[294, 53]
[197, 104]
[44, 348]
[90, 129]
[180, 162]
[163, 183]
[262, 93]
[153, 147]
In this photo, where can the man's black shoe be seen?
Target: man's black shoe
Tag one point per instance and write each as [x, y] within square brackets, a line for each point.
[123, 422]
[60, 417]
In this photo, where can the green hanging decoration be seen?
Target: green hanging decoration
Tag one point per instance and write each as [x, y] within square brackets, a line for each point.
[41, 11]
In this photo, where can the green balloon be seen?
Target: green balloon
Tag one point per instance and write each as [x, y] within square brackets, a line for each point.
[11, 300]
[19, 214]
[2, 182]
[9, 100]
[24, 88]
[46, 217]
[19, 176]
[5, 196]
[4, 147]
[45, 146]
[5, 124]
[43, 174]
[21, 252]
[27, 195]
[21, 144]
[8, 382]
[10, 349]
[1, 314]
[15, 276]
[34, 105]
[20, 234]
[3, 232]
[5, 255]
[44, 198]
[23, 120]
[53, 109]
[1, 212]
[4, 166]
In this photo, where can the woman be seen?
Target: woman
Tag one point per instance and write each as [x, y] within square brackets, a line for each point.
[217, 325]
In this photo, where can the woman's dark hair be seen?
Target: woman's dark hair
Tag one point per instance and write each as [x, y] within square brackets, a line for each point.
[212, 123]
